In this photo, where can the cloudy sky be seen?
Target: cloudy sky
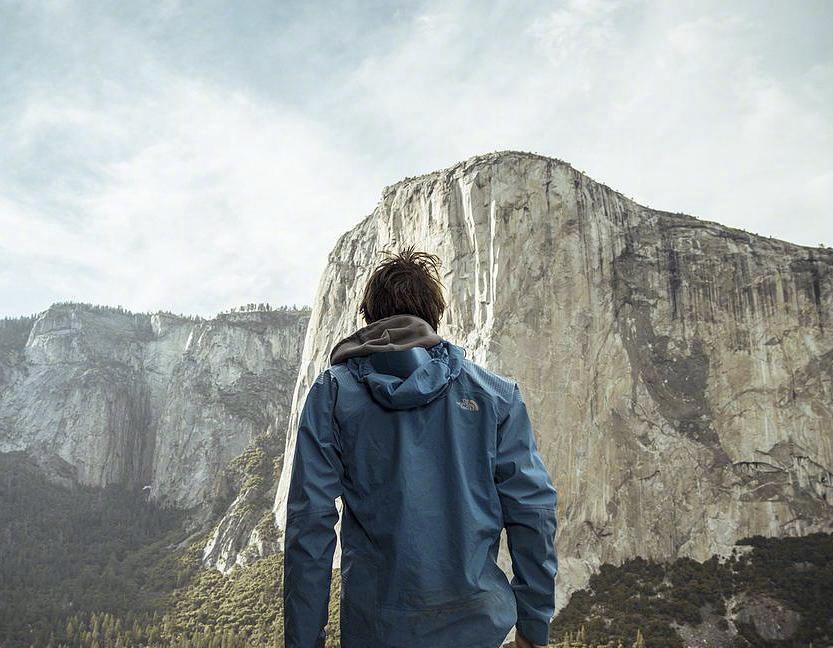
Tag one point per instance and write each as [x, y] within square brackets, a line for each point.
[193, 156]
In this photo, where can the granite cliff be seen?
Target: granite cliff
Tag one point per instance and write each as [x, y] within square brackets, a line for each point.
[102, 396]
[679, 373]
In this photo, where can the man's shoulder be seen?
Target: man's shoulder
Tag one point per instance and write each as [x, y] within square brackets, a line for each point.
[490, 381]
[329, 376]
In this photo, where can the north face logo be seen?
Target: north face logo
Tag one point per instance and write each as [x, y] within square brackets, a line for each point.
[468, 404]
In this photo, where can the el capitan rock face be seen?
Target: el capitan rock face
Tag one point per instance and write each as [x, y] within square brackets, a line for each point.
[679, 373]
[100, 396]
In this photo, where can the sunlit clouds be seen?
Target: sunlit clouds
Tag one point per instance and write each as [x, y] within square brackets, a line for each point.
[193, 156]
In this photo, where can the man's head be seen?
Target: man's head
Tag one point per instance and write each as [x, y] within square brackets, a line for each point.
[405, 283]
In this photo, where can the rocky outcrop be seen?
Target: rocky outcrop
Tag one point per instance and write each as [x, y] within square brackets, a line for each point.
[247, 531]
[679, 373]
[101, 396]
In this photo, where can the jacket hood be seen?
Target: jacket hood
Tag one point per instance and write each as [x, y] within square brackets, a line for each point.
[401, 359]
[394, 333]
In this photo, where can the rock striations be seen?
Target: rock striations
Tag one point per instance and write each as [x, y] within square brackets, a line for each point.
[101, 396]
[679, 373]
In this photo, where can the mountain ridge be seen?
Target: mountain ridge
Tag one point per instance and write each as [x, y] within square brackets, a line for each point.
[102, 395]
[500, 155]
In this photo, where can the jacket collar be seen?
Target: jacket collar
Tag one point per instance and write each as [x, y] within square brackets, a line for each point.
[394, 333]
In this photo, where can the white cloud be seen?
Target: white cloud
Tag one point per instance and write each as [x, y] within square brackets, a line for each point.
[578, 28]
[222, 200]
[180, 158]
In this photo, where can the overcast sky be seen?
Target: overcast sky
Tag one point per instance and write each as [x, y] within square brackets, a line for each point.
[193, 156]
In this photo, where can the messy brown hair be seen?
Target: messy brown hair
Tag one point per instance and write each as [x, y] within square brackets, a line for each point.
[407, 282]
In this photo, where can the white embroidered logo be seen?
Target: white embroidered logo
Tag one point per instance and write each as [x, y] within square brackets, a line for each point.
[468, 404]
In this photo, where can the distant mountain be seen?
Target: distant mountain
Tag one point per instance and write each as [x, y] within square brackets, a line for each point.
[99, 396]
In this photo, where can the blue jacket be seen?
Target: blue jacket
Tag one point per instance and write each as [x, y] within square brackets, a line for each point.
[432, 456]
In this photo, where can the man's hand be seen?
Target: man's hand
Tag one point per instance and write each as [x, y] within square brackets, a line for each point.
[523, 642]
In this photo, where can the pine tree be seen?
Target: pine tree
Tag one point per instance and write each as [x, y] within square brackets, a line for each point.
[640, 640]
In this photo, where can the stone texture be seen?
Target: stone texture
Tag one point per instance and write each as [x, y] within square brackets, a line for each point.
[101, 396]
[772, 619]
[679, 373]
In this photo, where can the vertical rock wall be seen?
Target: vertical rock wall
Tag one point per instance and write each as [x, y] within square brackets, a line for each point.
[101, 396]
[679, 373]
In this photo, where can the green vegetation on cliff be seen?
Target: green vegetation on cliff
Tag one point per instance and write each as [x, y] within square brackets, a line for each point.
[102, 568]
[77, 551]
[87, 568]
[777, 594]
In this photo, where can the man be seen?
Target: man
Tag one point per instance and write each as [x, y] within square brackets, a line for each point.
[432, 456]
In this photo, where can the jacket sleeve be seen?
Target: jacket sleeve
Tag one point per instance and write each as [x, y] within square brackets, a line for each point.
[310, 538]
[528, 500]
